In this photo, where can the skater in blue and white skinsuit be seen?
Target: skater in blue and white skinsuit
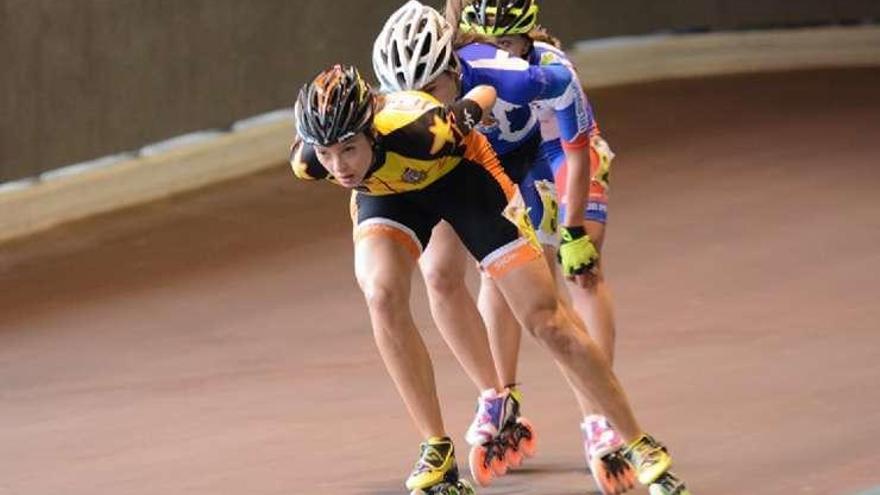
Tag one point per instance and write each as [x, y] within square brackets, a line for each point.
[571, 146]
[577, 159]
[413, 52]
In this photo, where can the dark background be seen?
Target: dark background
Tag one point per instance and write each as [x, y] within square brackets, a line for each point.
[86, 78]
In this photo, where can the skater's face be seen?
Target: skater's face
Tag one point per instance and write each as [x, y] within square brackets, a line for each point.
[516, 44]
[349, 161]
[445, 87]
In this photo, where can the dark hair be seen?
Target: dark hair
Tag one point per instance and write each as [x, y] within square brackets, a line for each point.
[540, 33]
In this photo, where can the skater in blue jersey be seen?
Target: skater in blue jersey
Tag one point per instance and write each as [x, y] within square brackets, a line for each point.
[578, 160]
[414, 52]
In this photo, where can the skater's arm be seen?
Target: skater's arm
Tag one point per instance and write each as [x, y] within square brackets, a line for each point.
[484, 96]
[468, 111]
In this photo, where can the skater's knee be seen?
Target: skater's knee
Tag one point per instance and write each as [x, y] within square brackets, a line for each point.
[384, 299]
[443, 280]
[553, 334]
[547, 324]
[388, 312]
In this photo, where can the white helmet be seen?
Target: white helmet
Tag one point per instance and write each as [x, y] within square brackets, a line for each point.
[414, 47]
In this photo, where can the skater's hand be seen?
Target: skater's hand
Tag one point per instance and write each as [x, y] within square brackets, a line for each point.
[578, 256]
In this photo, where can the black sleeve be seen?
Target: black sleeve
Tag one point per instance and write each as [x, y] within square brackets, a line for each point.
[304, 162]
[466, 114]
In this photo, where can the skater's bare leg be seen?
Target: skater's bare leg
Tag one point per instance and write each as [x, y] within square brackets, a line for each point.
[531, 293]
[384, 271]
[444, 264]
[505, 333]
[594, 305]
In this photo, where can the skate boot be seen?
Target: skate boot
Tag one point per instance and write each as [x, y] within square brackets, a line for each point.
[668, 484]
[604, 451]
[518, 436]
[649, 458]
[486, 458]
[436, 472]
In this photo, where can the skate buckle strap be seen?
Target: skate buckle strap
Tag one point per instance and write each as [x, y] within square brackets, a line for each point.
[649, 458]
[642, 452]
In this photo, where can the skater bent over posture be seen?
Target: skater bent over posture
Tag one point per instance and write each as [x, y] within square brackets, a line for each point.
[415, 51]
[577, 161]
[413, 162]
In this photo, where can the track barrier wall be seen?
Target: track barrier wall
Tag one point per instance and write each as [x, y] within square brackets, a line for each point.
[92, 79]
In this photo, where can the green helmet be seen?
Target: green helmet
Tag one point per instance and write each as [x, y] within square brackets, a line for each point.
[499, 17]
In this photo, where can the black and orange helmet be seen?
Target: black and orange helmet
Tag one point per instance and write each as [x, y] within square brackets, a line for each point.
[335, 106]
[499, 17]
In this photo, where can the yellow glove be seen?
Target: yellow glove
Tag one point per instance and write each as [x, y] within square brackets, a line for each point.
[577, 254]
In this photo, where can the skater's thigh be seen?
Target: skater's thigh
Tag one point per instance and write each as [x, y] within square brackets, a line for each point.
[445, 260]
[389, 235]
